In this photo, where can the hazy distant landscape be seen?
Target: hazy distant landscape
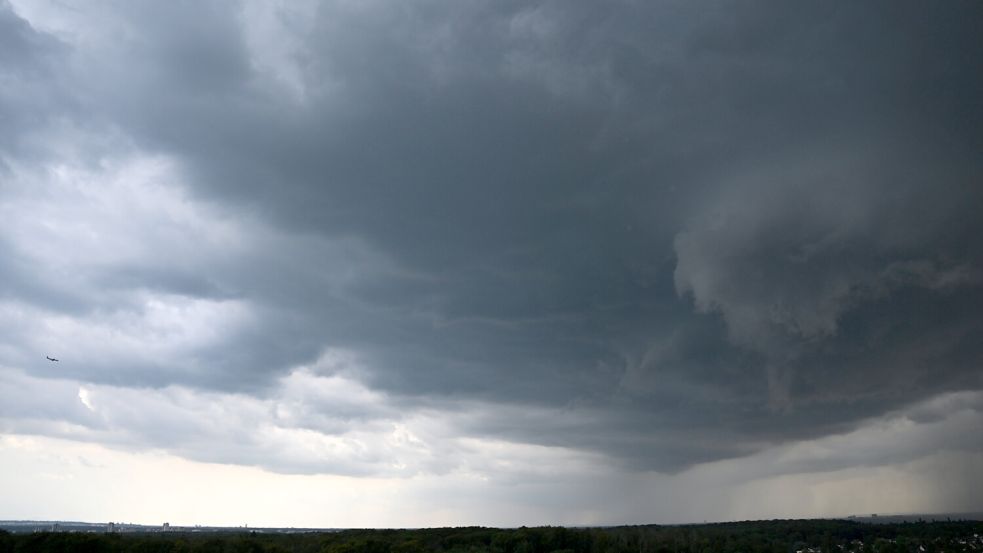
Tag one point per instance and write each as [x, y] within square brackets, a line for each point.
[56, 526]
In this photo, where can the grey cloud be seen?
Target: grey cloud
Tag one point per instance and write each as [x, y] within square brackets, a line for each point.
[523, 205]
[940, 408]
[901, 437]
[784, 256]
[793, 249]
[29, 65]
[32, 399]
[306, 426]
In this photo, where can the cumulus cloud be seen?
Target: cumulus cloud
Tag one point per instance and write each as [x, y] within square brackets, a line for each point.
[307, 424]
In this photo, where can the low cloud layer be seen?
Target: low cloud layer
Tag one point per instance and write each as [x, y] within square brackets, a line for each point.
[311, 237]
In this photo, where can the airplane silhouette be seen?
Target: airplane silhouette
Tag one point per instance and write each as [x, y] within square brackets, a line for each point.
[50, 358]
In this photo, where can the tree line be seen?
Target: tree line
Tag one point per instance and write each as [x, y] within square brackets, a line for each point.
[778, 536]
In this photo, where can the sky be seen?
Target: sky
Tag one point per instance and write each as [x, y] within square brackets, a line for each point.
[400, 264]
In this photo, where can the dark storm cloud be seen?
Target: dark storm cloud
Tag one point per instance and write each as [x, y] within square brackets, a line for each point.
[706, 228]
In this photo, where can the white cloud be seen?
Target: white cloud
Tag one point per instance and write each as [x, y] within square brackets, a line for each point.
[84, 398]
[307, 424]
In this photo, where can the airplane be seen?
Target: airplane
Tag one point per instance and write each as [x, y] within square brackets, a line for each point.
[50, 358]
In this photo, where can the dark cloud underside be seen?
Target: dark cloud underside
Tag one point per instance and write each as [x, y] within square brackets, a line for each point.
[705, 228]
